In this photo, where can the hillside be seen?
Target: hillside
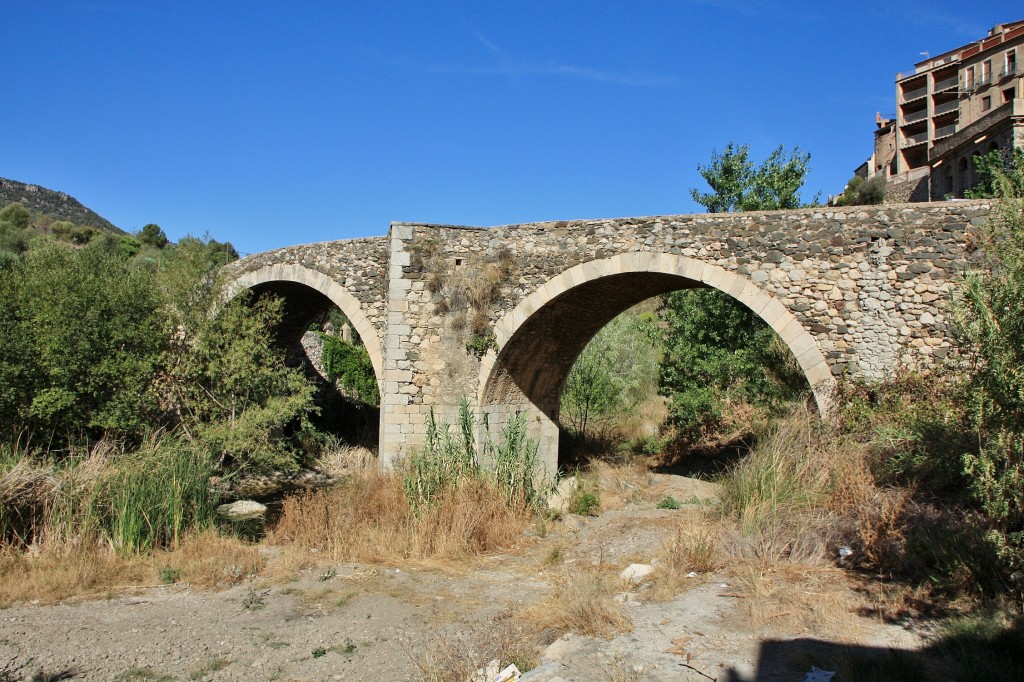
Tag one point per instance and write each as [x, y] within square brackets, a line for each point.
[59, 205]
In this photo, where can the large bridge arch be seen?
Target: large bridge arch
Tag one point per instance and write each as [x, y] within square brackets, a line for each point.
[540, 338]
[305, 289]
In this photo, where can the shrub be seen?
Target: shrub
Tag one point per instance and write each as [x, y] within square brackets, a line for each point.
[349, 364]
[668, 502]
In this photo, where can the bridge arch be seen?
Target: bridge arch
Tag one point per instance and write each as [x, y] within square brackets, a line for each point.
[293, 283]
[539, 340]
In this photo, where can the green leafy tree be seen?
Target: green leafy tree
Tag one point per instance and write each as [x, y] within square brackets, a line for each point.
[861, 192]
[80, 341]
[349, 364]
[16, 215]
[717, 351]
[738, 185]
[224, 379]
[616, 372]
[152, 235]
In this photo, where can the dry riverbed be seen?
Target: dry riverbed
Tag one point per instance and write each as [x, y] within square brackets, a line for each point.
[742, 620]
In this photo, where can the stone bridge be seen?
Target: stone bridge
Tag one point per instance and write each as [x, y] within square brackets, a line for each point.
[498, 315]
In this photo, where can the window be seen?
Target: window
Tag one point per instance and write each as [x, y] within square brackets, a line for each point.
[986, 71]
[1007, 95]
[969, 78]
[986, 103]
[1011, 62]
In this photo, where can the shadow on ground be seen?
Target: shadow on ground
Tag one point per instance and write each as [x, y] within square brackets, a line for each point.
[987, 653]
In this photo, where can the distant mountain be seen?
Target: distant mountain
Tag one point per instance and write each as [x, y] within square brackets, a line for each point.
[57, 204]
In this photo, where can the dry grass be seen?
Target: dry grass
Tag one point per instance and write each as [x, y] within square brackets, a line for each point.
[693, 549]
[56, 572]
[582, 601]
[341, 459]
[367, 518]
[208, 559]
[787, 599]
[460, 650]
[618, 483]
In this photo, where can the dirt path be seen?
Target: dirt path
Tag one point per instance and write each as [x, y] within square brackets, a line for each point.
[380, 623]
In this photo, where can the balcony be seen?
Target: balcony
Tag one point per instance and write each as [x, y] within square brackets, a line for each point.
[1009, 71]
[945, 131]
[946, 107]
[914, 94]
[947, 84]
[914, 140]
[915, 116]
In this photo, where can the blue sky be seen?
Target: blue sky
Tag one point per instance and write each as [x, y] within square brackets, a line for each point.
[276, 123]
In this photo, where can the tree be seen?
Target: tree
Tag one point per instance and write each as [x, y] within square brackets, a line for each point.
[861, 192]
[616, 371]
[17, 215]
[737, 185]
[79, 343]
[717, 351]
[152, 235]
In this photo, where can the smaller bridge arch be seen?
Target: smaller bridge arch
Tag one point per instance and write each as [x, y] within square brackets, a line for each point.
[293, 282]
[540, 338]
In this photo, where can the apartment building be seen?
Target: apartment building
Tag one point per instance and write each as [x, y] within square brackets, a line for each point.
[954, 106]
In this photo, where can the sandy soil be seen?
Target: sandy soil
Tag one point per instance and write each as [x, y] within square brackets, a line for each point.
[409, 623]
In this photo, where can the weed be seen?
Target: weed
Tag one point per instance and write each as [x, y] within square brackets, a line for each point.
[585, 504]
[328, 574]
[582, 602]
[168, 575]
[319, 652]
[482, 340]
[668, 502]
[347, 649]
[554, 556]
[254, 600]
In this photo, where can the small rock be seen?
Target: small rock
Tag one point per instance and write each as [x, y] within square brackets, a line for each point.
[634, 573]
[242, 510]
[559, 500]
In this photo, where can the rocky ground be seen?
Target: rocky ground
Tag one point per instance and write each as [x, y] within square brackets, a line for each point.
[430, 622]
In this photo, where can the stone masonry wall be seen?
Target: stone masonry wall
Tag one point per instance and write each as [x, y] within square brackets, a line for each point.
[869, 285]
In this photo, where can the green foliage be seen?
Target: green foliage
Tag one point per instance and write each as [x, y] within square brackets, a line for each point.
[668, 502]
[515, 462]
[153, 496]
[585, 503]
[718, 351]
[349, 364]
[169, 576]
[990, 320]
[737, 185]
[80, 338]
[1001, 175]
[916, 426]
[152, 235]
[16, 215]
[445, 459]
[479, 344]
[613, 375]
[861, 192]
